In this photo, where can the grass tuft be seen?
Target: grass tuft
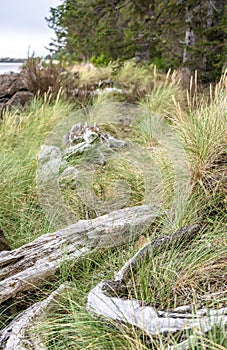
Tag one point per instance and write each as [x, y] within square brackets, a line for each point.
[21, 217]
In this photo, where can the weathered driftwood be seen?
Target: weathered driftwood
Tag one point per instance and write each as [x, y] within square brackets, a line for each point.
[103, 300]
[186, 344]
[180, 237]
[21, 334]
[147, 318]
[34, 263]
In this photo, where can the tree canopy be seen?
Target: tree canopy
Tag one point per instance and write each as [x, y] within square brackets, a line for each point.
[170, 33]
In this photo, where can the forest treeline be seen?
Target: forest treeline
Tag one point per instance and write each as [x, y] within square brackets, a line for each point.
[169, 33]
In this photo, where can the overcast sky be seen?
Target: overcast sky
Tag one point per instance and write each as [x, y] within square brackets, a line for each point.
[23, 27]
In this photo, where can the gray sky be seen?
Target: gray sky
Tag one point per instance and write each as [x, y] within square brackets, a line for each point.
[23, 27]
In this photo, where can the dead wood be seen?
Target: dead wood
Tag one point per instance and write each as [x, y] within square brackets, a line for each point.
[147, 318]
[33, 264]
[21, 333]
[103, 300]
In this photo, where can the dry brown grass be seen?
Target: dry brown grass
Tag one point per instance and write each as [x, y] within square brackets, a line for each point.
[42, 78]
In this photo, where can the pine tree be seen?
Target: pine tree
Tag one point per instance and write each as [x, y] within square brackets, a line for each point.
[172, 33]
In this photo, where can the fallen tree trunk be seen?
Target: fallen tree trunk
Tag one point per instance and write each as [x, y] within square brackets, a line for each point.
[33, 264]
[103, 300]
[20, 334]
[147, 318]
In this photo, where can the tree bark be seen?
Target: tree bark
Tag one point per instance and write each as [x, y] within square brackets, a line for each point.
[189, 36]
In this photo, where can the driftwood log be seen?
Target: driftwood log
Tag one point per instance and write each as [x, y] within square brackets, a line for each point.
[103, 300]
[33, 264]
[147, 318]
[21, 333]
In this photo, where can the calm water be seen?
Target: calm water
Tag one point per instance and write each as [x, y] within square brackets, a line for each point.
[6, 67]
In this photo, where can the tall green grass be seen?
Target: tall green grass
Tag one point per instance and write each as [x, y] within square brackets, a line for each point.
[22, 134]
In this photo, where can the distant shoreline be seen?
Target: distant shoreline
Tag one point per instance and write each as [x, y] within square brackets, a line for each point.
[12, 60]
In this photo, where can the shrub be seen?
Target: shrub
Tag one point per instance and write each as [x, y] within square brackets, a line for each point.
[41, 77]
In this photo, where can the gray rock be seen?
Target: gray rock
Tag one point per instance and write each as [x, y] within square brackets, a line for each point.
[20, 99]
[13, 92]
[10, 84]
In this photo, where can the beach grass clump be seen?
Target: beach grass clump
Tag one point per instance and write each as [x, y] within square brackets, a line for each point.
[22, 134]
[202, 129]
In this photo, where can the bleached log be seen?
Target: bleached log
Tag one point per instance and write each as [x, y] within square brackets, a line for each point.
[103, 300]
[147, 318]
[21, 334]
[33, 264]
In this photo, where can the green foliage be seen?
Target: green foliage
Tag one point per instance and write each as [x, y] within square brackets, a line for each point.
[101, 60]
[146, 30]
[160, 63]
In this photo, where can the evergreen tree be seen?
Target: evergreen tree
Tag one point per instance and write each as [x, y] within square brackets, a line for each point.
[172, 33]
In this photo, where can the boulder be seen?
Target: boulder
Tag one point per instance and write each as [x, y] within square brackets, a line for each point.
[10, 84]
[20, 99]
[13, 92]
